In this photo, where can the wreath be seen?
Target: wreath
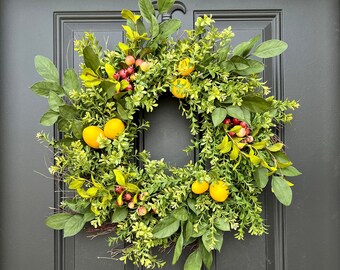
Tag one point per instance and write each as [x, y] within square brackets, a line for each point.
[148, 203]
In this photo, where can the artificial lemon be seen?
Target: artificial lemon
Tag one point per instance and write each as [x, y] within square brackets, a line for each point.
[219, 191]
[90, 135]
[185, 67]
[113, 128]
[180, 88]
[199, 187]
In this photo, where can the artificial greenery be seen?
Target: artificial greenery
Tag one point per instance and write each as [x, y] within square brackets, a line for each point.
[149, 203]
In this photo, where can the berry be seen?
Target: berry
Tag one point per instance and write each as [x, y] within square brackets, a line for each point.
[249, 139]
[119, 189]
[129, 60]
[131, 205]
[241, 133]
[138, 62]
[129, 87]
[127, 197]
[236, 121]
[116, 76]
[145, 66]
[232, 134]
[243, 124]
[122, 73]
[248, 131]
[141, 211]
[130, 70]
[227, 121]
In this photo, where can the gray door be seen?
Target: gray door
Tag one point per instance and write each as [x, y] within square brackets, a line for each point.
[305, 236]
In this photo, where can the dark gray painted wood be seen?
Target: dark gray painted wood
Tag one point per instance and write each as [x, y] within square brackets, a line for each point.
[304, 236]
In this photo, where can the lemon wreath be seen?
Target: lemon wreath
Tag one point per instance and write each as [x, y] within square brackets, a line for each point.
[149, 203]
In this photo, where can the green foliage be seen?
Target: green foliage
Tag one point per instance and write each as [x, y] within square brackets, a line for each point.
[149, 202]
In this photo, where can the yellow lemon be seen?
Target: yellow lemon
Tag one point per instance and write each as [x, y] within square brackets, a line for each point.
[180, 88]
[199, 187]
[185, 67]
[90, 135]
[113, 128]
[219, 191]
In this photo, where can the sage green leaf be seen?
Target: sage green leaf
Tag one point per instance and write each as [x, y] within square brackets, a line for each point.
[77, 206]
[146, 9]
[201, 230]
[168, 27]
[109, 87]
[219, 238]
[191, 203]
[290, 171]
[194, 261]
[207, 256]
[261, 177]
[282, 190]
[244, 48]
[256, 104]
[239, 62]
[228, 66]
[91, 59]
[63, 125]
[255, 67]
[49, 118]
[68, 112]
[44, 88]
[154, 28]
[164, 5]
[222, 224]
[122, 112]
[270, 48]
[178, 248]
[74, 225]
[218, 115]
[240, 113]
[275, 147]
[77, 129]
[71, 81]
[54, 101]
[57, 221]
[166, 227]
[281, 157]
[180, 214]
[46, 69]
[223, 53]
[188, 230]
[119, 214]
[88, 216]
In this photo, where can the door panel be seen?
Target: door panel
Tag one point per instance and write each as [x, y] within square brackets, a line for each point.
[304, 236]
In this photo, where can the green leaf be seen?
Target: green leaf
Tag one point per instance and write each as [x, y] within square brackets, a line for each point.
[256, 104]
[235, 152]
[44, 88]
[166, 227]
[259, 145]
[240, 113]
[282, 190]
[57, 221]
[290, 171]
[207, 256]
[119, 214]
[180, 214]
[255, 67]
[275, 147]
[178, 248]
[49, 118]
[76, 183]
[109, 87]
[146, 9]
[77, 129]
[211, 240]
[168, 27]
[244, 48]
[270, 48]
[128, 15]
[132, 188]
[194, 261]
[71, 81]
[164, 5]
[46, 69]
[121, 111]
[261, 177]
[228, 66]
[191, 204]
[120, 179]
[88, 216]
[54, 101]
[78, 206]
[68, 112]
[219, 238]
[239, 62]
[63, 125]
[222, 224]
[154, 28]
[91, 59]
[218, 115]
[188, 230]
[74, 225]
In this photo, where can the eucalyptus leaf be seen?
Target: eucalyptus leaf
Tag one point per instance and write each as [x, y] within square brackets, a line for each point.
[178, 248]
[57, 221]
[164, 5]
[46, 69]
[91, 59]
[194, 261]
[218, 115]
[270, 48]
[261, 177]
[282, 190]
[166, 227]
[49, 118]
[74, 225]
[146, 9]
[71, 81]
[54, 101]
[119, 214]
[44, 88]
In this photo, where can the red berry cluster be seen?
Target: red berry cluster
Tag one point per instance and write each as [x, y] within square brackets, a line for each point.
[129, 199]
[245, 130]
